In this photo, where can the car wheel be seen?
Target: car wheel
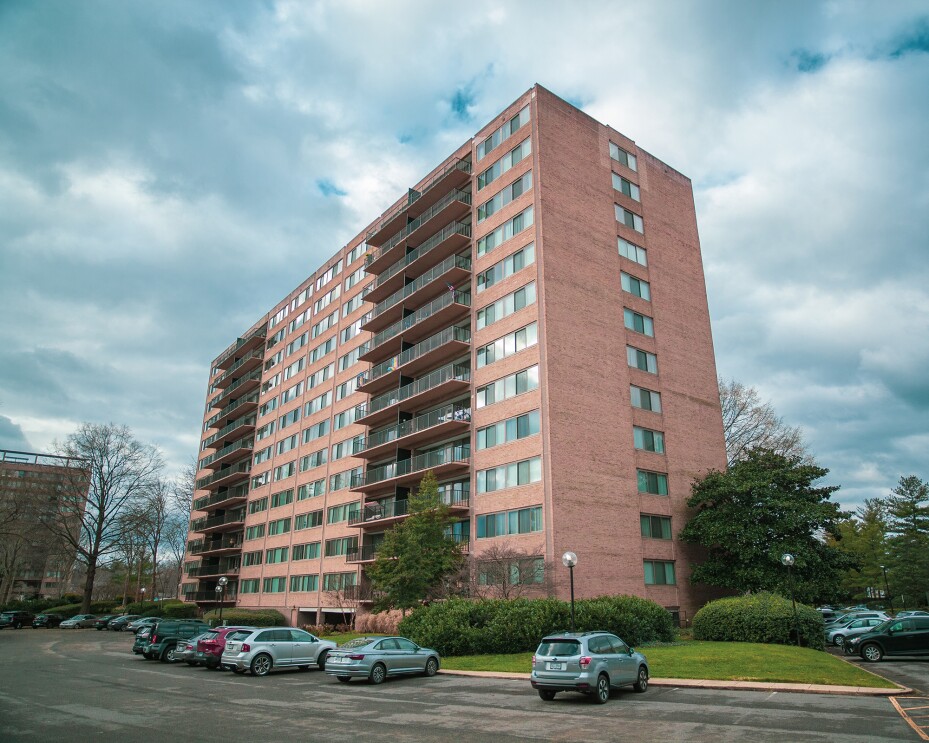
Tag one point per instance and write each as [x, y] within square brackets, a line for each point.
[547, 695]
[261, 664]
[641, 685]
[872, 652]
[321, 660]
[602, 692]
[432, 667]
[170, 654]
[344, 679]
[378, 673]
[839, 640]
[17, 626]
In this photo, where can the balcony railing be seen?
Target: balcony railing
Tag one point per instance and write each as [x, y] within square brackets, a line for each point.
[253, 376]
[420, 349]
[448, 455]
[260, 330]
[246, 443]
[408, 229]
[362, 554]
[209, 545]
[245, 420]
[460, 372]
[446, 299]
[239, 491]
[257, 353]
[455, 497]
[253, 397]
[211, 596]
[240, 468]
[445, 414]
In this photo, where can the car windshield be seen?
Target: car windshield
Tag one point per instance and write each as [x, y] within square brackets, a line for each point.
[559, 647]
[358, 642]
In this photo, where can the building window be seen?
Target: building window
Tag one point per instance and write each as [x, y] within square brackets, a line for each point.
[502, 134]
[307, 551]
[338, 581]
[323, 325]
[509, 386]
[281, 526]
[654, 483]
[638, 322]
[508, 345]
[285, 471]
[304, 583]
[645, 399]
[329, 274]
[263, 479]
[248, 586]
[299, 320]
[505, 231]
[308, 520]
[311, 490]
[285, 445]
[503, 197]
[315, 431]
[354, 254]
[659, 573]
[301, 298]
[648, 440]
[251, 558]
[265, 431]
[509, 475]
[277, 555]
[327, 299]
[643, 360]
[346, 388]
[327, 346]
[345, 418]
[630, 219]
[342, 480]
[295, 345]
[276, 338]
[319, 376]
[350, 331]
[273, 360]
[268, 407]
[288, 419]
[507, 267]
[255, 532]
[636, 287]
[354, 278]
[337, 514]
[257, 506]
[506, 306]
[526, 571]
[511, 158]
[522, 521]
[283, 498]
[621, 156]
[351, 358]
[274, 585]
[270, 383]
[511, 429]
[655, 527]
[341, 546]
[262, 456]
[318, 403]
[626, 187]
[315, 459]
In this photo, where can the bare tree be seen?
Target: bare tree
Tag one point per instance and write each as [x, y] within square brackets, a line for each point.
[121, 469]
[506, 572]
[183, 487]
[749, 423]
[152, 512]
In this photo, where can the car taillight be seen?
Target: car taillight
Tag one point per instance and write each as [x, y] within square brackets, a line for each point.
[356, 657]
[533, 661]
[246, 647]
[585, 661]
[153, 638]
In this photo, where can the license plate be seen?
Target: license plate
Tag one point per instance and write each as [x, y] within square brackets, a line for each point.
[231, 647]
[555, 666]
[339, 660]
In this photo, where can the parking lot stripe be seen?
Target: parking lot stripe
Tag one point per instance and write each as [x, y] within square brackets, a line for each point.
[921, 730]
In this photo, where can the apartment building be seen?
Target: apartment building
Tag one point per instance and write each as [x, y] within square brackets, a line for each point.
[529, 322]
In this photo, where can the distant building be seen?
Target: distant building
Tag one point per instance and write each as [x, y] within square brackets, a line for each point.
[34, 489]
[530, 323]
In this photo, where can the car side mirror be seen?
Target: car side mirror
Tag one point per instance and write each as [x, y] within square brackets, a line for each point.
[631, 650]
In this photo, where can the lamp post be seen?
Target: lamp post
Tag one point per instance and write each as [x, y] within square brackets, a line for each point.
[142, 589]
[890, 600]
[787, 560]
[569, 560]
[220, 589]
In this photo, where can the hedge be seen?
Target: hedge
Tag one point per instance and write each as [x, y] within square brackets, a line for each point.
[247, 617]
[69, 610]
[497, 626]
[759, 617]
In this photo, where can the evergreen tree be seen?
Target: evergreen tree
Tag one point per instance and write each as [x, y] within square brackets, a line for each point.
[908, 541]
[863, 538]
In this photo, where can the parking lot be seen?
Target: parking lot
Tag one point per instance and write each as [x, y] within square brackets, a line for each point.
[84, 685]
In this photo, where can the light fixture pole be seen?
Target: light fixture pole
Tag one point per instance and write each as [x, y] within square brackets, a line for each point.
[220, 590]
[788, 560]
[142, 589]
[890, 600]
[569, 560]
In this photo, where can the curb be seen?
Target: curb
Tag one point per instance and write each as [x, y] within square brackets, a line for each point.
[723, 685]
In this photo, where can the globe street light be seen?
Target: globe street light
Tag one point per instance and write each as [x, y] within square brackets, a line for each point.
[569, 560]
[890, 600]
[142, 589]
[787, 560]
[220, 589]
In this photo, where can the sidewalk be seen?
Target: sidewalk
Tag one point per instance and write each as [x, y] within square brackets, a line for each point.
[728, 685]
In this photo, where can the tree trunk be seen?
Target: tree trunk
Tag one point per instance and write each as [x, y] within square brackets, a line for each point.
[89, 586]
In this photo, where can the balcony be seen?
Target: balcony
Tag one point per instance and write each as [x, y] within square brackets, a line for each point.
[249, 361]
[381, 514]
[227, 453]
[230, 429]
[442, 312]
[438, 349]
[226, 522]
[212, 597]
[452, 379]
[250, 340]
[226, 476]
[203, 571]
[436, 424]
[362, 554]
[455, 174]
[227, 498]
[226, 545]
[444, 463]
[241, 406]
[239, 387]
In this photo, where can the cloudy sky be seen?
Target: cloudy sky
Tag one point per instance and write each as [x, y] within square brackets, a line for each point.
[151, 151]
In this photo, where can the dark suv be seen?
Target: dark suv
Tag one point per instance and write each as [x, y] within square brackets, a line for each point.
[908, 636]
[16, 619]
[166, 634]
[47, 620]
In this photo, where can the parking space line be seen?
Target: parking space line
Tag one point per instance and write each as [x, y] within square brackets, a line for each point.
[921, 730]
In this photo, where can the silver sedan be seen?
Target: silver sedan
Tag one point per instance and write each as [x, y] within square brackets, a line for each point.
[376, 658]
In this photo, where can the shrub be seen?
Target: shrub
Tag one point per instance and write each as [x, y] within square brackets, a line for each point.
[180, 611]
[469, 627]
[247, 617]
[65, 610]
[759, 617]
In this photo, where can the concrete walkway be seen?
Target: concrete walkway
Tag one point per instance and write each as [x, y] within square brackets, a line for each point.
[729, 685]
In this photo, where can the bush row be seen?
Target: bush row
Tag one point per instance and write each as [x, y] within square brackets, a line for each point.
[248, 617]
[471, 627]
[759, 617]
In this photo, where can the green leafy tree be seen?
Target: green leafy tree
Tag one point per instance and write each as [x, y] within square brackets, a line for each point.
[863, 538]
[417, 555]
[908, 540]
[765, 505]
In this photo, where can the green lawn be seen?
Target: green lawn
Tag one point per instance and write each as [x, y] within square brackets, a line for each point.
[726, 661]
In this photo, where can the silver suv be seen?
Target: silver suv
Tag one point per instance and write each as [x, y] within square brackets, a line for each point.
[260, 650]
[587, 662]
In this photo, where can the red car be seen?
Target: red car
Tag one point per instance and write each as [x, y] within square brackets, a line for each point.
[210, 647]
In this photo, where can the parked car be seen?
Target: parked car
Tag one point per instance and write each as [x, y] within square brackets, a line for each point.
[260, 650]
[47, 620]
[78, 621]
[907, 636]
[167, 633]
[15, 619]
[592, 663]
[211, 645]
[376, 658]
[101, 623]
[186, 650]
[853, 615]
[905, 614]
[119, 624]
[136, 624]
[838, 635]
[141, 640]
